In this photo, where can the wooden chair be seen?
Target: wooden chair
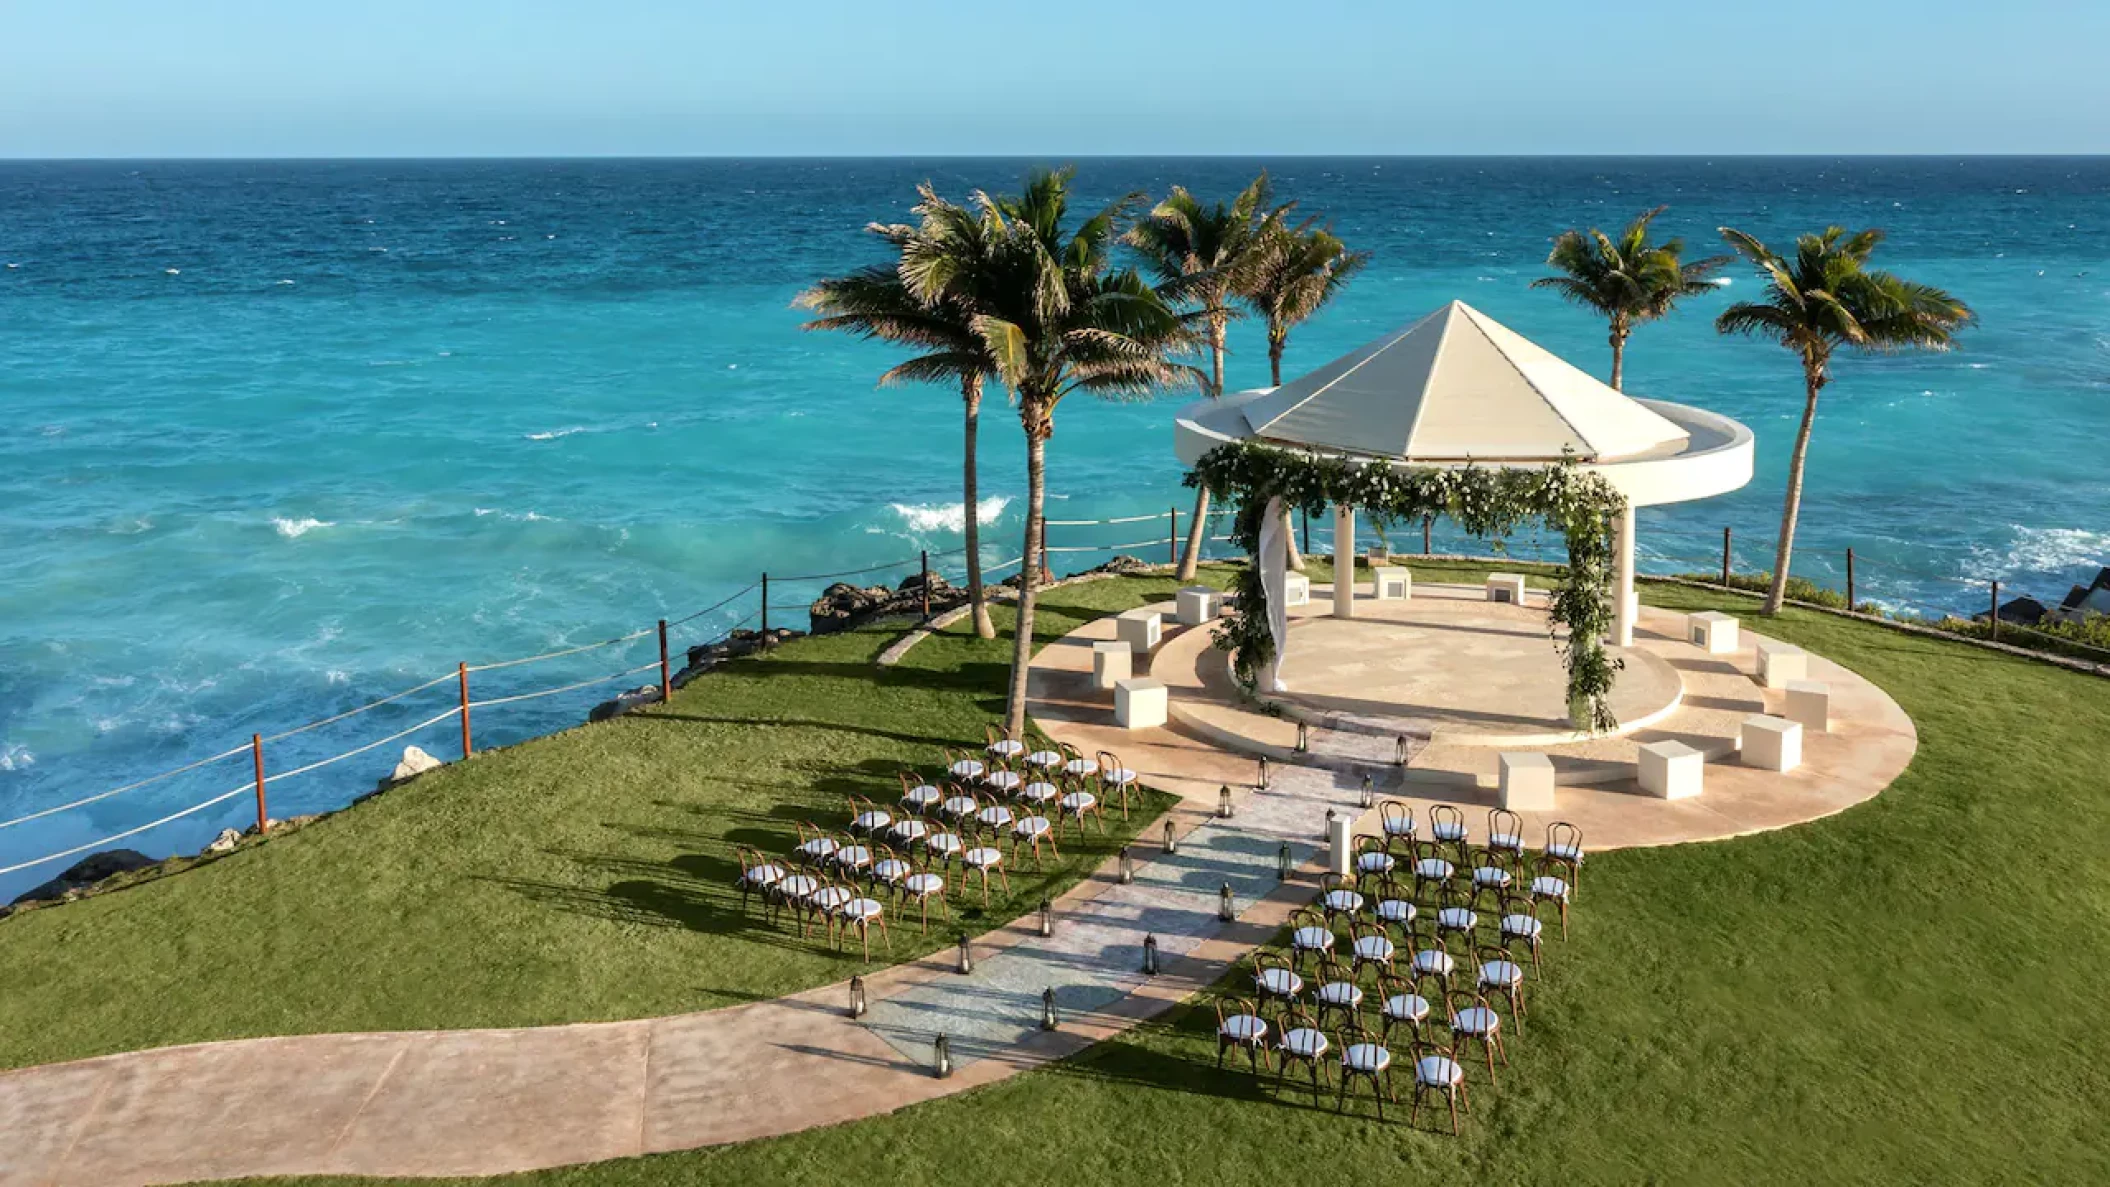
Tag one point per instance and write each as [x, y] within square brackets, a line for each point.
[1490, 874]
[1076, 805]
[1274, 978]
[1502, 978]
[1472, 1019]
[823, 905]
[1371, 948]
[1399, 1005]
[1433, 959]
[792, 893]
[1364, 1056]
[959, 805]
[1046, 762]
[1455, 914]
[1447, 827]
[1075, 767]
[890, 869]
[853, 859]
[924, 885]
[1505, 835]
[919, 797]
[945, 846]
[1395, 908]
[1303, 1042]
[996, 818]
[1336, 900]
[1033, 832]
[864, 914]
[1374, 860]
[1040, 797]
[1437, 1070]
[983, 858]
[909, 832]
[866, 818]
[1397, 819]
[1002, 747]
[1239, 1024]
[816, 849]
[758, 875]
[1337, 990]
[1308, 932]
[964, 767]
[1520, 925]
[1550, 888]
[1115, 779]
[1431, 868]
[1564, 849]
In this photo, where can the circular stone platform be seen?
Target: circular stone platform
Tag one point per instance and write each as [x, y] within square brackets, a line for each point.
[1467, 673]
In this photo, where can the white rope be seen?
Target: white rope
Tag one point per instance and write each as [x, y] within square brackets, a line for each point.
[301, 729]
[528, 696]
[514, 663]
[363, 749]
[1105, 547]
[1007, 564]
[133, 832]
[121, 790]
[1090, 523]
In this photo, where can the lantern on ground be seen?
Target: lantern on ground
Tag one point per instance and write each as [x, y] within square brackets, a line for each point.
[1282, 863]
[1150, 956]
[1399, 751]
[1303, 737]
[1048, 1018]
[1369, 795]
[1330, 816]
[1224, 910]
[1172, 844]
[1047, 917]
[1223, 802]
[1263, 772]
[941, 1057]
[857, 997]
[966, 964]
[1128, 866]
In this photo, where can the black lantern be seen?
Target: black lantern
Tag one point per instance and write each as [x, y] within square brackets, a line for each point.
[1223, 904]
[1282, 863]
[1303, 737]
[857, 997]
[1049, 1020]
[1369, 796]
[1263, 772]
[1172, 844]
[1150, 956]
[1330, 816]
[966, 965]
[941, 1053]
[1128, 866]
[1223, 802]
[1047, 917]
[1399, 751]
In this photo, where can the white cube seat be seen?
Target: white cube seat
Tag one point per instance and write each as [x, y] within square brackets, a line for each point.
[1139, 703]
[1140, 629]
[1197, 604]
[1526, 781]
[1392, 583]
[1809, 705]
[1779, 663]
[1112, 662]
[1671, 770]
[1296, 589]
[1712, 631]
[1770, 743]
[1506, 587]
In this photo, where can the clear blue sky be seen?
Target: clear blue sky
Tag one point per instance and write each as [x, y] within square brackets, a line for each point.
[791, 77]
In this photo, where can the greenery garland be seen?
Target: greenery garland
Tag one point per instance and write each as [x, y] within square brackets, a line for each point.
[1488, 502]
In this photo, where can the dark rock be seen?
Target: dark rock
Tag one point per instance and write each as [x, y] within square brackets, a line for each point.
[87, 872]
[643, 694]
[1123, 564]
[843, 607]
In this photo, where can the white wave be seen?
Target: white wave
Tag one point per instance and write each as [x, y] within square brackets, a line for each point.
[285, 282]
[1722, 282]
[132, 526]
[553, 434]
[16, 757]
[294, 529]
[173, 271]
[519, 517]
[2042, 550]
[949, 517]
[337, 676]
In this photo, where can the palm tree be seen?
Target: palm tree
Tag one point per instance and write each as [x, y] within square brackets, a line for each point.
[888, 302]
[1207, 257]
[1629, 280]
[1057, 318]
[1825, 299]
[1306, 267]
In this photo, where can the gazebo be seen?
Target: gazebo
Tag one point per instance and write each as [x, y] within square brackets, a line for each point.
[1458, 389]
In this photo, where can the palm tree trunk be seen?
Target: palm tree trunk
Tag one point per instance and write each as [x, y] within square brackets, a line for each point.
[1198, 530]
[1777, 593]
[1274, 359]
[1618, 357]
[971, 393]
[1029, 580]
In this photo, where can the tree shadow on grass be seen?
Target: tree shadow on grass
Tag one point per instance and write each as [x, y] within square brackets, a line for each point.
[805, 723]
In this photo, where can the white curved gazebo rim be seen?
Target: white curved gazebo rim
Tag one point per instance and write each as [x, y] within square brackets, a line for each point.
[1715, 458]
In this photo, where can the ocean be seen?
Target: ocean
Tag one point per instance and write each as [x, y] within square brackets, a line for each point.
[280, 438]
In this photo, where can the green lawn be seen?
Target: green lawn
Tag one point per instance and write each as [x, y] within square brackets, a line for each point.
[1909, 992]
[583, 876]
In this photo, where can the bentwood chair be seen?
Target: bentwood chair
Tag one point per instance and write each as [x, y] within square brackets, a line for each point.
[864, 914]
[1395, 908]
[1336, 899]
[964, 767]
[1002, 746]
[758, 875]
[959, 805]
[1550, 888]
[909, 832]
[1399, 1005]
[984, 858]
[1046, 762]
[1397, 819]
[1003, 780]
[1274, 978]
[1473, 1020]
[890, 870]
[1076, 805]
[1115, 779]
[853, 859]
[1033, 832]
[1308, 932]
[1337, 990]
[867, 819]
[1447, 827]
[918, 796]
[1239, 1024]
[1505, 835]
[794, 892]
[816, 849]
[944, 846]
[1431, 868]
[1437, 1070]
[1303, 1042]
[1490, 874]
[1364, 1056]
[1502, 978]
[1371, 948]
[1374, 859]
[1564, 848]
[823, 905]
[1520, 925]
[1075, 767]
[923, 886]
[1455, 915]
[1433, 959]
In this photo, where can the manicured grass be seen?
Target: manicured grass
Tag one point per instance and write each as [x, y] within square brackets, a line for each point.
[583, 876]
[1909, 992]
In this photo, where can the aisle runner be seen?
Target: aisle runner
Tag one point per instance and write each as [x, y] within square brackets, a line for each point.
[1096, 954]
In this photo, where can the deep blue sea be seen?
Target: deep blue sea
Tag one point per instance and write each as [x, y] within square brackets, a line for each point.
[279, 438]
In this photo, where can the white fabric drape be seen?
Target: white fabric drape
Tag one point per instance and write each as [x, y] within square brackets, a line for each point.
[1274, 565]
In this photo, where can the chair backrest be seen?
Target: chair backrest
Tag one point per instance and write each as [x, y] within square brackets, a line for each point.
[1391, 985]
[1501, 822]
[1296, 1018]
[1305, 917]
[1431, 1049]
[1330, 969]
[1457, 1001]
[1392, 810]
[1426, 848]
[1069, 753]
[1263, 960]
[809, 831]
[1228, 1008]
[1446, 814]
[1370, 844]
[1517, 904]
[1453, 895]
[1354, 1034]
[1330, 882]
[1359, 931]
[993, 735]
[859, 805]
[1108, 761]
[1390, 890]
[910, 781]
[1488, 952]
[1561, 833]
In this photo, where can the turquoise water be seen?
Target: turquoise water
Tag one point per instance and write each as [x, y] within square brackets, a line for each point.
[280, 438]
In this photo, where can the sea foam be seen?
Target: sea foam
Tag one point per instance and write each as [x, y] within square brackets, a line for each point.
[949, 517]
[294, 529]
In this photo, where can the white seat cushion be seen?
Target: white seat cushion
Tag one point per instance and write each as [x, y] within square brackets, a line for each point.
[819, 847]
[1429, 960]
[1079, 766]
[1439, 1072]
[871, 822]
[1399, 826]
[1375, 863]
[764, 875]
[984, 858]
[893, 869]
[1037, 793]
[967, 768]
[1406, 1007]
[959, 805]
[910, 830]
[1032, 826]
[1523, 926]
[1564, 853]
[1506, 841]
[861, 909]
[1376, 948]
[1478, 1020]
[1343, 900]
[1243, 1028]
[1501, 974]
[1045, 758]
[1395, 910]
[1457, 919]
[1311, 939]
[1280, 982]
[923, 884]
[1079, 801]
[923, 796]
[854, 857]
[1548, 886]
[1117, 776]
[1306, 1042]
[1007, 747]
[1447, 832]
[799, 885]
[1340, 993]
[944, 843]
[1433, 867]
[1005, 780]
[994, 816]
[1366, 1057]
[1494, 876]
[831, 898]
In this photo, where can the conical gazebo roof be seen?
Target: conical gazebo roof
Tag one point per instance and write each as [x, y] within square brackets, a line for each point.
[1456, 386]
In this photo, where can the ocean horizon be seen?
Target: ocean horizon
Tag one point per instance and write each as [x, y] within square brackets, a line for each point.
[280, 437]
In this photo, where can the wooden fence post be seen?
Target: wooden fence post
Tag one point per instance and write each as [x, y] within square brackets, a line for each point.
[926, 584]
[666, 673]
[765, 603]
[1172, 539]
[1046, 574]
[1994, 617]
[1426, 522]
[1725, 556]
[1850, 579]
[463, 671]
[256, 748]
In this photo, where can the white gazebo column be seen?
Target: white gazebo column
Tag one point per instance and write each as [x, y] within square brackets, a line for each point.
[1344, 561]
[1623, 579]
